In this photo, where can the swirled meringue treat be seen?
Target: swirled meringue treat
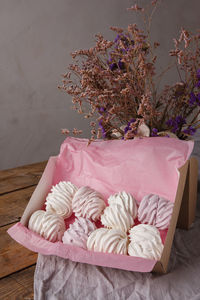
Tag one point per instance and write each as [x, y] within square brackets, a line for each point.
[88, 203]
[35, 221]
[108, 241]
[155, 210]
[115, 216]
[126, 200]
[78, 232]
[145, 241]
[48, 225]
[59, 200]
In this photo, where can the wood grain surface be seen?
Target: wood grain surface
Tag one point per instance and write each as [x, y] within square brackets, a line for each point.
[18, 286]
[13, 256]
[21, 177]
[13, 204]
[17, 264]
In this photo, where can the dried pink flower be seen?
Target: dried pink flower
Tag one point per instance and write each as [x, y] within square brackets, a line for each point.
[76, 131]
[65, 131]
[115, 83]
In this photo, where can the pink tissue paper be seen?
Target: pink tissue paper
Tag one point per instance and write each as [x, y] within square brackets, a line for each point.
[139, 166]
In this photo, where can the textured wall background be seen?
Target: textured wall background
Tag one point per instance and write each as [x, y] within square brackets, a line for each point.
[36, 38]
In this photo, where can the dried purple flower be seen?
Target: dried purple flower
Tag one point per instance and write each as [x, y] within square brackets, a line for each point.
[198, 84]
[190, 130]
[180, 120]
[170, 122]
[113, 66]
[176, 123]
[198, 74]
[102, 109]
[102, 129]
[128, 127]
[192, 100]
[117, 38]
[154, 132]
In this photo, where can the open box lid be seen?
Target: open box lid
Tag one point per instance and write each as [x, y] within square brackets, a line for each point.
[138, 166]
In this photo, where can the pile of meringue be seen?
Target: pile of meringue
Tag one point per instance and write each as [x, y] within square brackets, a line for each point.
[119, 233]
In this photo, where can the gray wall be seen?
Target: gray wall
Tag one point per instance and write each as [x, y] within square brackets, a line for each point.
[36, 38]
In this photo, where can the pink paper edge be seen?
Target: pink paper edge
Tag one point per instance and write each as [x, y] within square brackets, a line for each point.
[34, 242]
[191, 146]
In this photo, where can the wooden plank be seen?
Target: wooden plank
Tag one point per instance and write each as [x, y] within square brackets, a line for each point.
[188, 204]
[18, 286]
[13, 256]
[21, 177]
[12, 205]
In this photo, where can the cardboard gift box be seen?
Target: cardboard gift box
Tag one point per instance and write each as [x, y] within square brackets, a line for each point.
[140, 166]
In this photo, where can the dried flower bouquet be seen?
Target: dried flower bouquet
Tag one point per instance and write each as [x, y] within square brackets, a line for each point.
[115, 84]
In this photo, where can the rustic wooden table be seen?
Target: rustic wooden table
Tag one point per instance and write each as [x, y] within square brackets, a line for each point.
[17, 264]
